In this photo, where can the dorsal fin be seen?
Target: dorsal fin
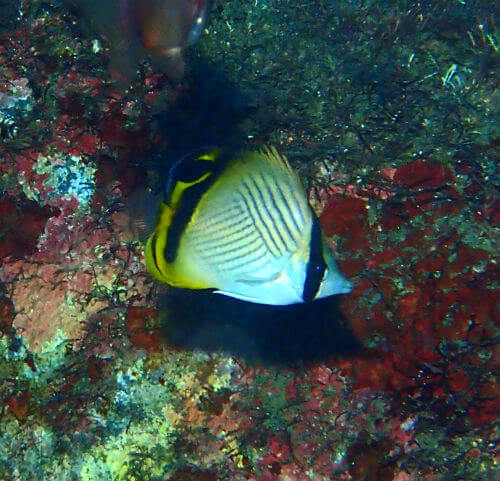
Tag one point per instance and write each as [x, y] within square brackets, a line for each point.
[269, 155]
[279, 160]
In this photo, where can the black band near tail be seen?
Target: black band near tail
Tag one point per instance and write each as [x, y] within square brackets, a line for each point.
[316, 266]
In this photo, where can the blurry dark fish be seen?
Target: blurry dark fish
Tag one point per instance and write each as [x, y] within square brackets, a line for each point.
[242, 225]
[135, 29]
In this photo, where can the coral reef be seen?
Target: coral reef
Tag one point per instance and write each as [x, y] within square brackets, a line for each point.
[389, 110]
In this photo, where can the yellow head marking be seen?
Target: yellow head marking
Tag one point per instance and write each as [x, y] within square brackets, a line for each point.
[210, 156]
[164, 217]
[180, 187]
[155, 262]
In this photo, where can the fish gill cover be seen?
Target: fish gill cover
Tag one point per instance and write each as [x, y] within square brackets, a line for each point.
[389, 111]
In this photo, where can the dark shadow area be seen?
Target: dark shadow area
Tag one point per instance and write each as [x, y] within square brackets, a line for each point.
[9, 12]
[258, 333]
[209, 112]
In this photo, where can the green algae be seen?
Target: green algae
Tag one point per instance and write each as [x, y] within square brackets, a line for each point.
[452, 459]
[370, 72]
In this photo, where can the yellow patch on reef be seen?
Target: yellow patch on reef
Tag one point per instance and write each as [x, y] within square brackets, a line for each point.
[110, 461]
[114, 459]
[172, 414]
[117, 458]
[221, 377]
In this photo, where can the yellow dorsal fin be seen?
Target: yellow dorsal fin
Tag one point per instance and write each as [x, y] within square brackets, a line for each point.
[269, 155]
[279, 160]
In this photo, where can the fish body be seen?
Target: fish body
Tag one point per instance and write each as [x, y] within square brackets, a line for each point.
[244, 228]
[159, 29]
[164, 25]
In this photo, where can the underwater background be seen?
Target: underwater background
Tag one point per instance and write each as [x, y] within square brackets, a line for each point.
[389, 111]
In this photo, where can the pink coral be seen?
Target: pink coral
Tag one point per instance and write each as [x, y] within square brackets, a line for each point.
[62, 284]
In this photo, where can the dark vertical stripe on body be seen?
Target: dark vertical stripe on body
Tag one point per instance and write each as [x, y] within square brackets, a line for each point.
[259, 215]
[316, 266]
[275, 203]
[286, 202]
[273, 227]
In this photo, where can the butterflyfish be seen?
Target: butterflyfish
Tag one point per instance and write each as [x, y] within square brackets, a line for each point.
[241, 225]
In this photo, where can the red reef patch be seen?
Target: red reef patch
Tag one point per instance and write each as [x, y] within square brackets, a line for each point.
[19, 405]
[7, 313]
[142, 329]
[21, 223]
[346, 216]
[420, 174]
[366, 459]
[193, 474]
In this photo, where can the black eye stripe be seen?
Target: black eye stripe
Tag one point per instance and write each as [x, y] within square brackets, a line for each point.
[188, 202]
[188, 169]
